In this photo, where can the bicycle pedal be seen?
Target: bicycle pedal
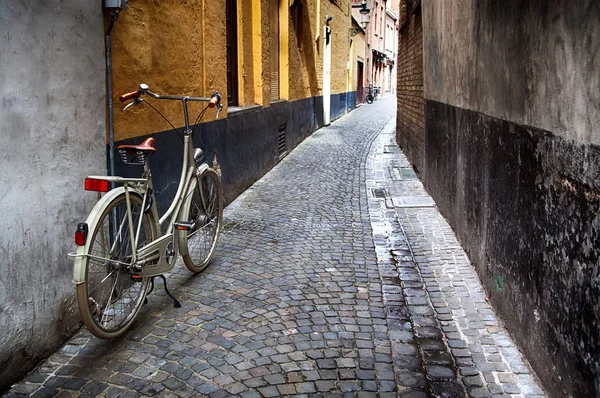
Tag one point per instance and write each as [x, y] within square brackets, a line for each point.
[184, 226]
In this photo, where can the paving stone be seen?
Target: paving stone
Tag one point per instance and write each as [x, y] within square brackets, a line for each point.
[207, 388]
[269, 391]
[411, 379]
[511, 388]
[475, 381]
[349, 386]
[437, 372]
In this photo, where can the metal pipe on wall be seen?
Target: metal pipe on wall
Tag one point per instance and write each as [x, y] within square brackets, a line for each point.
[111, 126]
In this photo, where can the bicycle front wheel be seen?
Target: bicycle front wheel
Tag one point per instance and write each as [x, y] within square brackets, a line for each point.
[111, 296]
[369, 99]
[206, 212]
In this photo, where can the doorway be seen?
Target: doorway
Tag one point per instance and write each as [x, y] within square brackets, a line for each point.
[359, 82]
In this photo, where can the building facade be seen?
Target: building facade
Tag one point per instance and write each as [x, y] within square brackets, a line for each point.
[498, 109]
[381, 38]
[284, 68]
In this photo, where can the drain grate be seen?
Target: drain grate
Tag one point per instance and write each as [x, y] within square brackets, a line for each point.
[413, 201]
[391, 149]
[281, 141]
[379, 193]
[404, 174]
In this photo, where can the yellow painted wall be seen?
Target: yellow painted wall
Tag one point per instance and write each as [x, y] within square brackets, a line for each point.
[306, 49]
[303, 52]
[340, 44]
[180, 48]
[246, 53]
[176, 49]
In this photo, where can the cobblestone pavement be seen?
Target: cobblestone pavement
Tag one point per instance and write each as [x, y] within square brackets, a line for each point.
[325, 284]
[445, 337]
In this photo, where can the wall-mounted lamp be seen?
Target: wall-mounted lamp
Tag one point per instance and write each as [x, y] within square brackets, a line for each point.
[364, 20]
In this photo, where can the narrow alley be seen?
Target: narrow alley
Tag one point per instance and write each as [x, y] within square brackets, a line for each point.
[335, 276]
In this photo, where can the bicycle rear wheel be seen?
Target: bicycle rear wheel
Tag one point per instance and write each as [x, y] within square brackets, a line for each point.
[206, 212]
[111, 296]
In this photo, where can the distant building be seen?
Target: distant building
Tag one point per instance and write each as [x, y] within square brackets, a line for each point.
[381, 45]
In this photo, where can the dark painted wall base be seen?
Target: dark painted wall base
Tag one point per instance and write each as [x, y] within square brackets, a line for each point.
[525, 205]
[245, 144]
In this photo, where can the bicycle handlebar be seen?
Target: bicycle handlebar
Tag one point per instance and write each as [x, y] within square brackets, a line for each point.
[213, 101]
[128, 96]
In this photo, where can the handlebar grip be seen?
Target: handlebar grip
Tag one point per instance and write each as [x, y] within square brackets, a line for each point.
[128, 96]
[215, 99]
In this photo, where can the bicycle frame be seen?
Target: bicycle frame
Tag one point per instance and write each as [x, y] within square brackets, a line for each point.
[159, 256]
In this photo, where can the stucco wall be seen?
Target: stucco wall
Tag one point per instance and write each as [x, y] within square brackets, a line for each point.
[340, 42]
[304, 52]
[52, 126]
[534, 63]
[512, 110]
[176, 50]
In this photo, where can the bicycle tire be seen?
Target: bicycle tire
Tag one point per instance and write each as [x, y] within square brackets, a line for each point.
[206, 212]
[110, 311]
[369, 99]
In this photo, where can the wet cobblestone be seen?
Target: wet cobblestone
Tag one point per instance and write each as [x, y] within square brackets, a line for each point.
[318, 288]
[446, 339]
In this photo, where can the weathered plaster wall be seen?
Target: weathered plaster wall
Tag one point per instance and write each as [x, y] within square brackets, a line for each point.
[340, 42]
[176, 49]
[246, 54]
[534, 63]
[304, 51]
[512, 111]
[53, 134]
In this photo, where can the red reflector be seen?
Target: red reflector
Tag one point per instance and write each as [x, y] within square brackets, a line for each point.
[80, 238]
[81, 234]
[96, 185]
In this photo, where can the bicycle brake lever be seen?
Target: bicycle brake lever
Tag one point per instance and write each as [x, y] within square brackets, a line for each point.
[219, 108]
[132, 103]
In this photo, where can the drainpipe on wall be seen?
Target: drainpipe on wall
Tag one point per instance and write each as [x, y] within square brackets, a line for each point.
[111, 11]
[111, 123]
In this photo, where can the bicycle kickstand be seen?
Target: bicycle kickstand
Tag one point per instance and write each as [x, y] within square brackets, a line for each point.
[176, 302]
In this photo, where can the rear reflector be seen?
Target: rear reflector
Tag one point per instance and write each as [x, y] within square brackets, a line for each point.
[81, 234]
[96, 185]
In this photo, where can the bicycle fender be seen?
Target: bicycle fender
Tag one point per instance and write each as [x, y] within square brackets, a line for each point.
[185, 208]
[92, 219]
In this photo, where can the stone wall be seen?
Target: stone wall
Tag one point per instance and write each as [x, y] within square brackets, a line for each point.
[512, 112]
[52, 110]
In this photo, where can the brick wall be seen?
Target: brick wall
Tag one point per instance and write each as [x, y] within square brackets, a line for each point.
[410, 129]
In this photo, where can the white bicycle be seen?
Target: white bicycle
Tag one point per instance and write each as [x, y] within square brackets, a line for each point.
[123, 244]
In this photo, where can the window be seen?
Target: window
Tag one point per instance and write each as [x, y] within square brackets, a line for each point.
[274, 48]
[232, 54]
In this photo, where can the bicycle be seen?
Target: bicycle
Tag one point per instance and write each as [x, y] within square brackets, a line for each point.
[371, 94]
[122, 246]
